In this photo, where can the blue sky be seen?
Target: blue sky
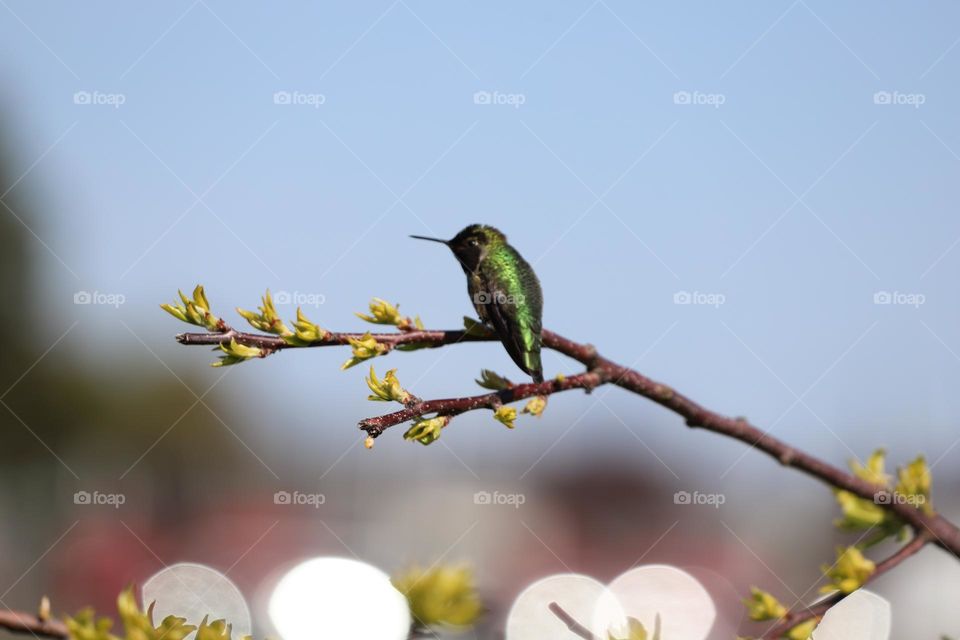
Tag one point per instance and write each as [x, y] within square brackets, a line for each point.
[631, 153]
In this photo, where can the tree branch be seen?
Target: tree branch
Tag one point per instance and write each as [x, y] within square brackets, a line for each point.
[455, 406]
[429, 338]
[601, 370]
[818, 610]
[20, 622]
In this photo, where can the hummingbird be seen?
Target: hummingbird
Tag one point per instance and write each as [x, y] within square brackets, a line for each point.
[504, 291]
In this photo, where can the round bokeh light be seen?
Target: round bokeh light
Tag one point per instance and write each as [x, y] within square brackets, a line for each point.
[192, 591]
[338, 598]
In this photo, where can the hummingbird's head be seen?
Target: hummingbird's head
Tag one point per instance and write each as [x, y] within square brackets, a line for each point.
[471, 245]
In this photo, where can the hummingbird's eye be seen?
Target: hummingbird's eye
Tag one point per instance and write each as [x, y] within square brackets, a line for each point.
[473, 242]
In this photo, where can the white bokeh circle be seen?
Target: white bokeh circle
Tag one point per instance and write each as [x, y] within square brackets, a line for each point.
[339, 599]
[685, 608]
[862, 615]
[530, 616]
[192, 591]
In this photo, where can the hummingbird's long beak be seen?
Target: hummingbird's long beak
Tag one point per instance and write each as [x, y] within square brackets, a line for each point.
[447, 242]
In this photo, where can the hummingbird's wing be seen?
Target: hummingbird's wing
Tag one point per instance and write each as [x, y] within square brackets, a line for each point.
[516, 320]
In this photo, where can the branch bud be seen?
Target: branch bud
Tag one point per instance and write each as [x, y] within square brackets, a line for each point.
[442, 595]
[763, 606]
[267, 320]
[388, 389]
[476, 328]
[305, 332]
[535, 405]
[237, 353]
[195, 311]
[364, 348]
[493, 381]
[849, 572]
[505, 415]
[427, 431]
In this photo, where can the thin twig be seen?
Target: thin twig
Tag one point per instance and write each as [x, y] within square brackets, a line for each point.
[818, 610]
[331, 339]
[574, 626]
[26, 623]
[20, 622]
[455, 406]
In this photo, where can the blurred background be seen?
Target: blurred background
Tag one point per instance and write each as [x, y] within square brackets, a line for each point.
[752, 203]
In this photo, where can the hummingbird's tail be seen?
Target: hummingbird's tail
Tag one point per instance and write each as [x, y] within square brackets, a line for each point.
[531, 361]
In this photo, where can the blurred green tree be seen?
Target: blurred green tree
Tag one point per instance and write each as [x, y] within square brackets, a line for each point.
[76, 420]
